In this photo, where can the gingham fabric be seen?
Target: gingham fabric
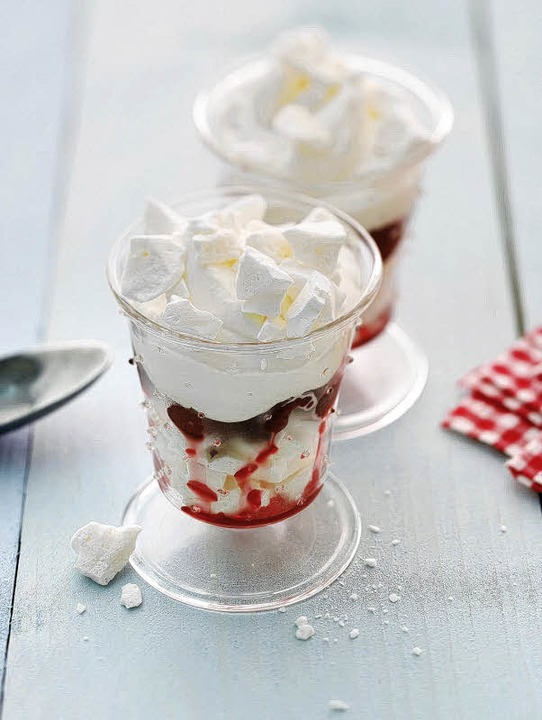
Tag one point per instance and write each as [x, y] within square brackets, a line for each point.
[504, 409]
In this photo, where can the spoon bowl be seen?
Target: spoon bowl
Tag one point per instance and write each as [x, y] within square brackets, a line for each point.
[36, 382]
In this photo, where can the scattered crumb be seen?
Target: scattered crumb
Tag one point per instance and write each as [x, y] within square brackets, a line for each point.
[326, 639]
[331, 503]
[370, 562]
[212, 575]
[302, 620]
[354, 596]
[404, 629]
[417, 651]
[386, 622]
[282, 609]
[374, 528]
[371, 609]
[341, 623]
[381, 585]
[387, 493]
[338, 705]
[304, 632]
[503, 528]
[80, 608]
[393, 597]
[335, 640]
[450, 598]
[395, 542]
[353, 634]
[385, 610]
[85, 638]
[341, 582]
[317, 617]
[131, 595]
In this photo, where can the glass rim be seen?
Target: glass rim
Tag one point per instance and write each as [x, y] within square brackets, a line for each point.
[367, 296]
[432, 97]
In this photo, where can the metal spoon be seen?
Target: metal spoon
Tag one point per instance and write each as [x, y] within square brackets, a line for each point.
[39, 381]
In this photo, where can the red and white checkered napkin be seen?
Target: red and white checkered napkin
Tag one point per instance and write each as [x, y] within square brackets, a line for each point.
[504, 408]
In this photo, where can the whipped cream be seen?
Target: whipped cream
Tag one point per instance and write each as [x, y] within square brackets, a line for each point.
[313, 116]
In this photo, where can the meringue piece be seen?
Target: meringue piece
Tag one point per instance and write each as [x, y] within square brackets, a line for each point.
[317, 244]
[103, 550]
[306, 50]
[320, 214]
[259, 274]
[266, 304]
[272, 329]
[299, 124]
[182, 316]
[222, 246]
[154, 265]
[268, 239]
[160, 219]
[130, 595]
[240, 212]
[309, 305]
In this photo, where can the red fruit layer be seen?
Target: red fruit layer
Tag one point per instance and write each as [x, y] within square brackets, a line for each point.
[369, 331]
[389, 236]
[279, 508]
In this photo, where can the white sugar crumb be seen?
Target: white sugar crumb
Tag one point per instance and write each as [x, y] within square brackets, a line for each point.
[354, 633]
[417, 651]
[395, 542]
[282, 609]
[503, 528]
[393, 597]
[370, 562]
[304, 632]
[374, 528]
[338, 705]
[302, 620]
[80, 608]
[131, 595]
[353, 596]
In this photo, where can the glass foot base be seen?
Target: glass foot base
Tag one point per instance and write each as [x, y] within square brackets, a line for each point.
[244, 570]
[385, 379]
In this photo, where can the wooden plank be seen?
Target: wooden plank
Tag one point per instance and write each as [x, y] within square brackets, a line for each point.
[518, 68]
[32, 83]
[468, 591]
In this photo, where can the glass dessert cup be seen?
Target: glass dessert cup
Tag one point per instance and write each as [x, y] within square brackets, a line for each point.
[241, 513]
[389, 371]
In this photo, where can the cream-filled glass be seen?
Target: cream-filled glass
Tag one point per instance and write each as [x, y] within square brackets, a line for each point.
[355, 132]
[241, 513]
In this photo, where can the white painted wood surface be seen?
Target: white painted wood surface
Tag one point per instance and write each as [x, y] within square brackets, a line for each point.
[469, 593]
[33, 74]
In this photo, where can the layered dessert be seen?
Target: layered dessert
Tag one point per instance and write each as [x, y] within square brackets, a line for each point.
[341, 127]
[241, 320]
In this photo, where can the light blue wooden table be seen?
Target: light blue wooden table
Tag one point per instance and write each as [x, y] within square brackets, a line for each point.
[100, 116]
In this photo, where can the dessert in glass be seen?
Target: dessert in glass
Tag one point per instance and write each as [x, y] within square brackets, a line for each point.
[353, 131]
[242, 307]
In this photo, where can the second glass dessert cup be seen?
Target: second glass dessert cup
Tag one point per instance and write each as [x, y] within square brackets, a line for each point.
[241, 513]
[389, 371]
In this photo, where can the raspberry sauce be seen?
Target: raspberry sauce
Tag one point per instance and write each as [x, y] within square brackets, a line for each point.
[206, 438]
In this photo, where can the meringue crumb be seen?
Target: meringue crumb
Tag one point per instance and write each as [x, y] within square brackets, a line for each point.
[404, 629]
[387, 493]
[393, 597]
[354, 596]
[374, 528]
[212, 575]
[338, 705]
[302, 620]
[386, 622]
[85, 638]
[131, 595]
[370, 562]
[304, 632]
[330, 503]
[503, 528]
[353, 634]
[80, 608]
[371, 610]
[395, 542]
[282, 609]
[417, 651]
